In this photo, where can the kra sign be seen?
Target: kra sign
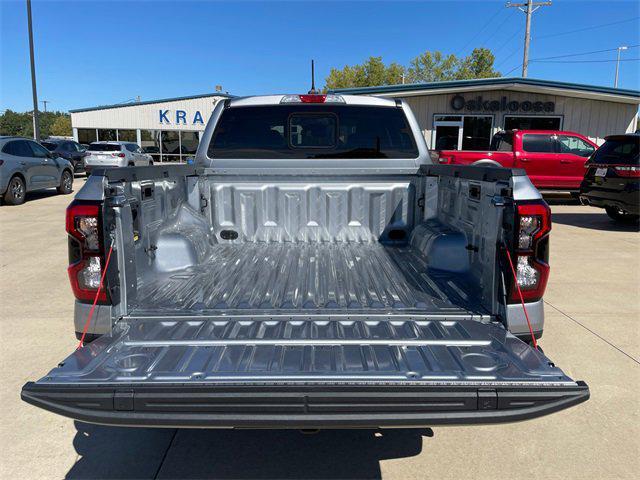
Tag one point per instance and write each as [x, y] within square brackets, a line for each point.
[180, 118]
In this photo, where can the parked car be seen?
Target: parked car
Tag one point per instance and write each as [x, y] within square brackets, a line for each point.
[115, 154]
[311, 270]
[612, 180]
[553, 160]
[72, 151]
[26, 166]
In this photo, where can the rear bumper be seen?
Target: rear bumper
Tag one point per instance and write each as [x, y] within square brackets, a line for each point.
[302, 406]
[627, 203]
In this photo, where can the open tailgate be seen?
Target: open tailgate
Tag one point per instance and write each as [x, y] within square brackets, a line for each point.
[305, 374]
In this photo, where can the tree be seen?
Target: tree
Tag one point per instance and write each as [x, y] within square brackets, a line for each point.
[62, 126]
[426, 67]
[21, 124]
[433, 67]
[479, 64]
[371, 72]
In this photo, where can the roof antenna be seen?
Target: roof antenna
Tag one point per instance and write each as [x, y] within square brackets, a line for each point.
[313, 90]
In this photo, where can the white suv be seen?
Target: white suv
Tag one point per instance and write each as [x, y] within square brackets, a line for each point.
[115, 154]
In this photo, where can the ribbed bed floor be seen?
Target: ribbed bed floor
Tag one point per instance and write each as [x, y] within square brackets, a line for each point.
[293, 277]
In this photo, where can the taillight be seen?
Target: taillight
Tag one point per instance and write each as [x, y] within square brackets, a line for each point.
[86, 252]
[533, 224]
[121, 155]
[624, 171]
[444, 159]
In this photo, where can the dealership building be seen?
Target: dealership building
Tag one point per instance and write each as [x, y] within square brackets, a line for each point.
[169, 129]
[461, 114]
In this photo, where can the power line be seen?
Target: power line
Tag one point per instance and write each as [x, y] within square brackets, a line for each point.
[583, 53]
[500, 10]
[586, 61]
[497, 29]
[587, 28]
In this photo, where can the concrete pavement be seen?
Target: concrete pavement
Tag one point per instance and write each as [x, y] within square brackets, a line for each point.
[592, 332]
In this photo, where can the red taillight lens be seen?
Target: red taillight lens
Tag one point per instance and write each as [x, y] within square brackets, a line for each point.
[533, 224]
[121, 155]
[625, 171]
[86, 254]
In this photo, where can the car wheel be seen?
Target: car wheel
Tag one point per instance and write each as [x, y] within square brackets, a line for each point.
[16, 192]
[66, 183]
[620, 215]
[150, 163]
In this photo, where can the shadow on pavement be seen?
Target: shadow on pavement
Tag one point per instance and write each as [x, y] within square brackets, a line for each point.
[593, 220]
[109, 452]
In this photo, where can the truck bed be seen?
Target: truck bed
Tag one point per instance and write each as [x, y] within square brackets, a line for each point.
[289, 277]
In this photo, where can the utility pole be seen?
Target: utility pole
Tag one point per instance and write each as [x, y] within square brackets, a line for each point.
[528, 8]
[623, 47]
[36, 123]
[44, 105]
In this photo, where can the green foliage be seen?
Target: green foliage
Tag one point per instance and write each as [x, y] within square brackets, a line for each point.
[426, 67]
[371, 72]
[62, 126]
[21, 124]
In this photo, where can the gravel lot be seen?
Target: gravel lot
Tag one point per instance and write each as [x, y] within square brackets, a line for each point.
[592, 332]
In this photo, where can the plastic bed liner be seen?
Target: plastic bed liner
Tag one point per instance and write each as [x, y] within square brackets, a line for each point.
[237, 372]
[328, 276]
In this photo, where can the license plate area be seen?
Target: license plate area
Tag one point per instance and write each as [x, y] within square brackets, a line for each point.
[601, 172]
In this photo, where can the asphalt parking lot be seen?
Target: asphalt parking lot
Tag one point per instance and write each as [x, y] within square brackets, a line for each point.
[592, 332]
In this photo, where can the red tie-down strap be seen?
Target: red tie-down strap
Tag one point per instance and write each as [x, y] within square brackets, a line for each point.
[95, 300]
[526, 315]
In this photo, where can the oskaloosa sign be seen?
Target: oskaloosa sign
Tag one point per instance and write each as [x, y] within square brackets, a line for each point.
[479, 104]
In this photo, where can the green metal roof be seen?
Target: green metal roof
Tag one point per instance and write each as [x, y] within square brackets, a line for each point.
[455, 84]
[147, 102]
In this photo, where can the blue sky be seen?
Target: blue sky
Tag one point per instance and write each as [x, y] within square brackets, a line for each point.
[90, 52]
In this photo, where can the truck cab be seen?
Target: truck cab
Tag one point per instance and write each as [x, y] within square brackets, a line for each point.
[553, 160]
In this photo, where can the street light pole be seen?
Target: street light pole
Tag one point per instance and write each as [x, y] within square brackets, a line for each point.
[615, 82]
[36, 123]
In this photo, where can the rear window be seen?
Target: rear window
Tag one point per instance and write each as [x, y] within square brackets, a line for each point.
[103, 147]
[313, 131]
[623, 150]
[537, 143]
[502, 142]
[49, 146]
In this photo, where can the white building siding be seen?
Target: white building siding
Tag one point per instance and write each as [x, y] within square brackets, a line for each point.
[146, 116]
[592, 118]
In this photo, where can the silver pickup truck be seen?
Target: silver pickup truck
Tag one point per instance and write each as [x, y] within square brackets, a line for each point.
[310, 270]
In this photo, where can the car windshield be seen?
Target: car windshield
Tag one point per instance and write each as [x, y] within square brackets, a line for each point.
[104, 147]
[622, 150]
[312, 131]
[51, 146]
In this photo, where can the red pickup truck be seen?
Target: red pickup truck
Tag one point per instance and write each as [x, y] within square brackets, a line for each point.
[552, 159]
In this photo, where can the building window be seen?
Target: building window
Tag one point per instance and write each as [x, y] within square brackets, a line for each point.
[150, 140]
[532, 122]
[107, 135]
[127, 136]
[87, 135]
[170, 145]
[189, 144]
[462, 132]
